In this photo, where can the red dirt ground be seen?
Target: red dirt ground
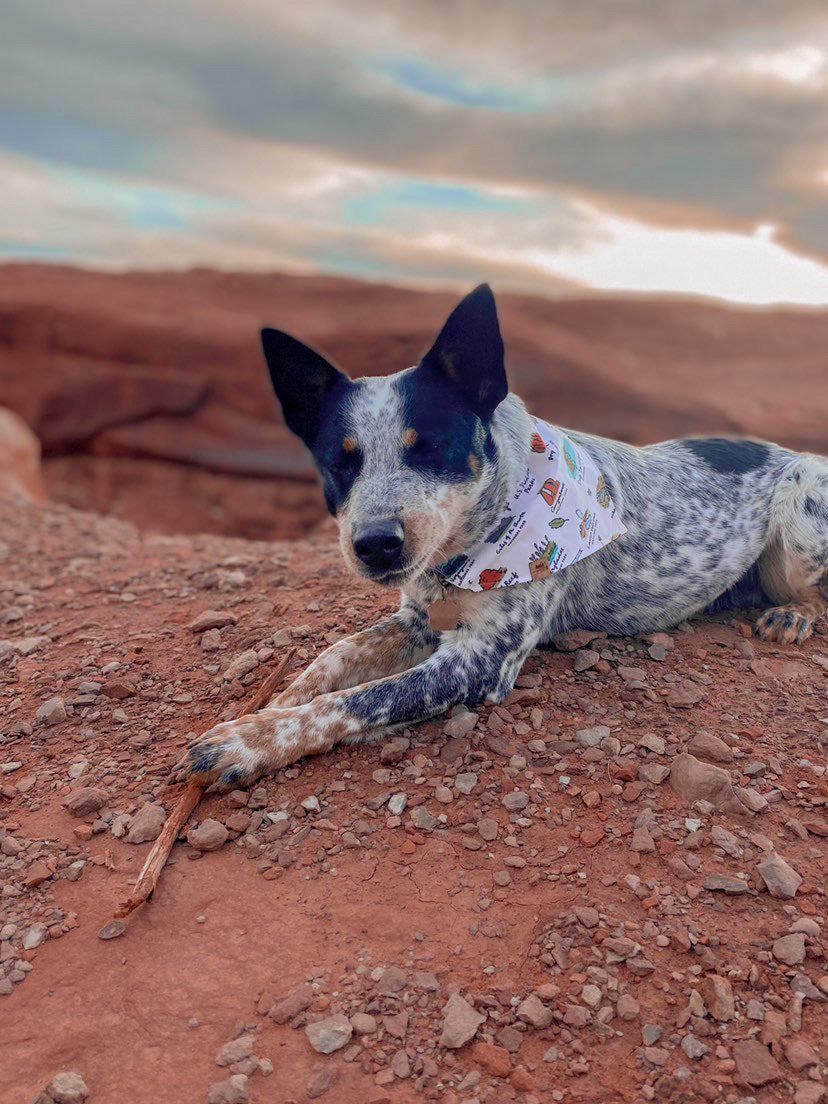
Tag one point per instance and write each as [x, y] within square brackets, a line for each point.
[601, 851]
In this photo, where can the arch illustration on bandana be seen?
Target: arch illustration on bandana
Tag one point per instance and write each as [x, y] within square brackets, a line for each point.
[561, 492]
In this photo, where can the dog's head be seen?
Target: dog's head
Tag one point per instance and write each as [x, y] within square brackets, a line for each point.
[403, 458]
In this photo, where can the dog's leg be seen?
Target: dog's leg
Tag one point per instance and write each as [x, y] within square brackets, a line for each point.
[467, 667]
[394, 645]
[794, 565]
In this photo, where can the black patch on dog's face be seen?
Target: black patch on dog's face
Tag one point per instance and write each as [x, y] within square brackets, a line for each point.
[729, 457]
[338, 464]
[452, 442]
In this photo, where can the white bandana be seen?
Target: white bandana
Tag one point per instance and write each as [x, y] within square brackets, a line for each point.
[560, 512]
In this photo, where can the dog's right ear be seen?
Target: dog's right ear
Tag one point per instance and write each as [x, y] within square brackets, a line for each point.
[302, 380]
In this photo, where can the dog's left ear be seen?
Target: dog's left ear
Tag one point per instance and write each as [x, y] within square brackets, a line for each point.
[469, 352]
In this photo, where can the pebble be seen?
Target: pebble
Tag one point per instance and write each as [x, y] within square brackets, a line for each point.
[34, 936]
[460, 724]
[242, 665]
[460, 1022]
[236, 1050]
[67, 1088]
[592, 737]
[723, 883]
[235, 1090]
[705, 745]
[112, 929]
[694, 1048]
[495, 1060]
[394, 749]
[584, 659]
[210, 835]
[465, 782]
[718, 997]
[397, 803]
[755, 1064]
[534, 1012]
[695, 781]
[84, 801]
[790, 949]
[51, 712]
[363, 1024]
[288, 1007]
[488, 829]
[147, 823]
[323, 1078]
[328, 1035]
[212, 619]
[515, 801]
[779, 876]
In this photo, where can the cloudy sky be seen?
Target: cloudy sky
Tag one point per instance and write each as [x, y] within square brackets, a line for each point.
[635, 145]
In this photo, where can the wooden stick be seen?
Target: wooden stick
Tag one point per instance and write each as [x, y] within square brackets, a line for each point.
[160, 851]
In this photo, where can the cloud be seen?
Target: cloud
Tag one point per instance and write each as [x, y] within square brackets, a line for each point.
[423, 140]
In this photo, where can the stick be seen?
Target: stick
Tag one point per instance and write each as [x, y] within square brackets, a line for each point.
[160, 851]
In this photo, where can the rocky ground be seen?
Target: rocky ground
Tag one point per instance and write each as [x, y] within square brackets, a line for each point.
[609, 888]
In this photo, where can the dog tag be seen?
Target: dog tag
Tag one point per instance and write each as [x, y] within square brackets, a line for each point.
[444, 614]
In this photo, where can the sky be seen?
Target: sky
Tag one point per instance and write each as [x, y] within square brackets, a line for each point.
[668, 146]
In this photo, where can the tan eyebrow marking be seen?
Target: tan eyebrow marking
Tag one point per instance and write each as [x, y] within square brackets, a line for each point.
[474, 464]
[349, 444]
[410, 437]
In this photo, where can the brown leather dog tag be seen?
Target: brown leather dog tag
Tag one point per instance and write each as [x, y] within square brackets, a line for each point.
[444, 614]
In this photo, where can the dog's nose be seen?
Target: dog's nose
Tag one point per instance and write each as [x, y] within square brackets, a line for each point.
[380, 544]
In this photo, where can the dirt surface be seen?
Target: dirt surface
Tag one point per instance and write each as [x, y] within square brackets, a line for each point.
[534, 917]
[149, 394]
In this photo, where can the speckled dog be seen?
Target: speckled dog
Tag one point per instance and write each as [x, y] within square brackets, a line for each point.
[416, 467]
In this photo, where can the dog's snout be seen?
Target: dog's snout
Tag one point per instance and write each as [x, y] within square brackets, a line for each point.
[379, 544]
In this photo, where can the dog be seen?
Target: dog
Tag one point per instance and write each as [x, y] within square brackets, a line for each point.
[417, 466]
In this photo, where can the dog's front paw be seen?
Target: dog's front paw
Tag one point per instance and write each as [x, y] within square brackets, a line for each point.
[785, 625]
[220, 757]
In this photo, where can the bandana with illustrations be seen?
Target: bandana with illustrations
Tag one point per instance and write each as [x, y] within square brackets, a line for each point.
[560, 512]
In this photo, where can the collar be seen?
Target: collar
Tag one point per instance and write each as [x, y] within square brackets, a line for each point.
[560, 512]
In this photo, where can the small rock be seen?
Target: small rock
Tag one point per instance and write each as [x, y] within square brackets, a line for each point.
[37, 873]
[808, 1092]
[212, 619]
[790, 949]
[515, 801]
[34, 936]
[423, 819]
[705, 745]
[52, 712]
[460, 1022]
[465, 782]
[210, 835]
[328, 1035]
[628, 1007]
[242, 665]
[779, 876]
[147, 823]
[534, 1012]
[755, 1064]
[722, 883]
[584, 659]
[695, 781]
[694, 1048]
[642, 841]
[235, 1090]
[592, 737]
[323, 1078]
[653, 743]
[288, 1007]
[112, 929]
[397, 803]
[84, 801]
[487, 829]
[394, 749]
[236, 1050]
[495, 1060]
[67, 1088]
[800, 1056]
[718, 997]
[363, 1024]
[460, 724]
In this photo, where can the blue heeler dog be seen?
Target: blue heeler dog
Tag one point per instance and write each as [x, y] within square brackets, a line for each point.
[416, 468]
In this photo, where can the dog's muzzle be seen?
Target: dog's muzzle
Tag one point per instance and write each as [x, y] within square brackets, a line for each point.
[379, 545]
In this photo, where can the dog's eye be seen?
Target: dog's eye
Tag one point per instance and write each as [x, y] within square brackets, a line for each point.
[348, 459]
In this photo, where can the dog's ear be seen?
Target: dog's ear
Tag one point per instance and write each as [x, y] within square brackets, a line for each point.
[469, 352]
[302, 380]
